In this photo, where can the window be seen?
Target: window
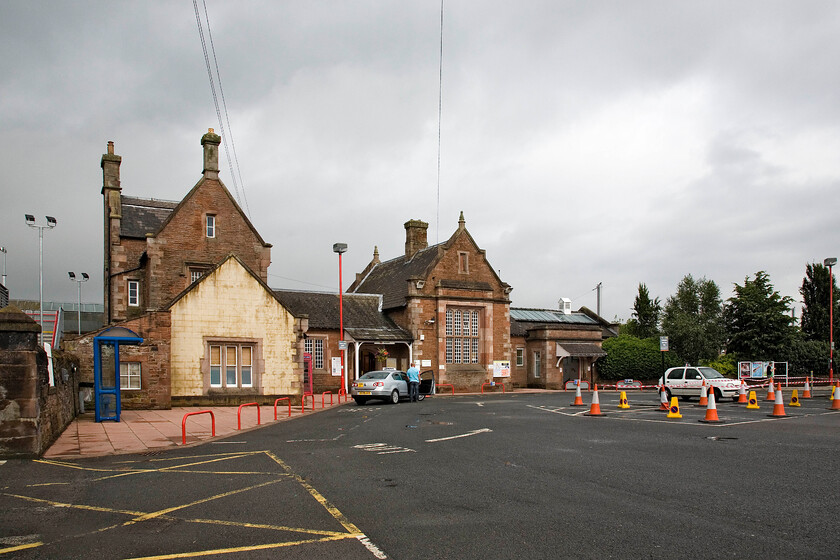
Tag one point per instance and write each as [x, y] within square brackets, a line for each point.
[129, 375]
[196, 273]
[231, 365]
[537, 364]
[315, 347]
[463, 263]
[133, 293]
[520, 357]
[211, 225]
[462, 338]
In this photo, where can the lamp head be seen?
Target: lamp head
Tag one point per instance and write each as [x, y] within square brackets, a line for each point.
[51, 221]
[30, 219]
[72, 275]
[85, 276]
[339, 248]
[3, 250]
[830, 261]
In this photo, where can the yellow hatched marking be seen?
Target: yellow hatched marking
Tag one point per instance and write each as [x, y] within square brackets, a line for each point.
[74, 506]
[173, 467]
[262, 526]
[153, 515]
[317, 495]
[242, 548]
[20, 547]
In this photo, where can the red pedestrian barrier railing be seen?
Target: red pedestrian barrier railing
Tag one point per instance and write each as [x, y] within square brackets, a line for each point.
[572, 384]
[184, 424]
[303, 401]
[239, 414]
[447, 385]
[322, 398]
[287, 399]
[492, 384]
[342, 391]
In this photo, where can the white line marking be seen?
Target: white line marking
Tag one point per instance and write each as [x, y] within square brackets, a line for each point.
[375, 550]
[472, 433]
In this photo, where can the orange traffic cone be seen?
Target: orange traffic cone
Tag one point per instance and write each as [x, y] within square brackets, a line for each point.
[753, 401]
[674, 410]
[771, 395]
[779, 405]
[835, 399]
[595, 407]
[578, 397]
[704, 395]
[794, 398]
[806, 392]
[663, 399]
[711, 411]
[622, 400]
[742, 393]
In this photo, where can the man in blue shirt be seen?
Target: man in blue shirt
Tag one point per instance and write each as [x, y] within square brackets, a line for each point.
[413, 383]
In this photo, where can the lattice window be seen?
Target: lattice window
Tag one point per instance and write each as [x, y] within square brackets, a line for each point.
[463, 340]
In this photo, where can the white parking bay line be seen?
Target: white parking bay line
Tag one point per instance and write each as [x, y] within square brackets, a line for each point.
[472, 433]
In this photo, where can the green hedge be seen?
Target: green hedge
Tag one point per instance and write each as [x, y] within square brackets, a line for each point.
[629, 357]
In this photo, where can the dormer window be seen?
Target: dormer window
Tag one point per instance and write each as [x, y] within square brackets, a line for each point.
[210, 225]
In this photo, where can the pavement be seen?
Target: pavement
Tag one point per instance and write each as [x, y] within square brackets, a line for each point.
[141, 431]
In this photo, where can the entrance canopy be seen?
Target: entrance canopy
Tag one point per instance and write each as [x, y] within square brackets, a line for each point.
[579, 350]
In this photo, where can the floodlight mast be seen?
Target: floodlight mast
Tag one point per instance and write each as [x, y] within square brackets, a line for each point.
[51, 223]
[830, 262]
[341, 248]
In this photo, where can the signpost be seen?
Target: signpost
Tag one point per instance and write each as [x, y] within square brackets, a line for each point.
[663, 347]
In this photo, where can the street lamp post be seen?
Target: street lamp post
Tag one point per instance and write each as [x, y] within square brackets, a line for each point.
[73, 278]
[51, 222]
[830, 262]
[341, 248]
[3, 250]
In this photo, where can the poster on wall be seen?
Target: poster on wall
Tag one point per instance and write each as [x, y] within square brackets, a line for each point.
[758, 369]
[744, 369]
[501, 368]
[336, 367]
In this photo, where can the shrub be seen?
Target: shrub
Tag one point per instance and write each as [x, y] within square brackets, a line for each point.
[629, 357]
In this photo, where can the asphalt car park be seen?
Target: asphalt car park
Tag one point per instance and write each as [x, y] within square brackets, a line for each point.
[466, 476]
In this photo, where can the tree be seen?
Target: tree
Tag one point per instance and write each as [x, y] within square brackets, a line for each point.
[815, 296]
[692, 320]
[758, 322]
[646, 314]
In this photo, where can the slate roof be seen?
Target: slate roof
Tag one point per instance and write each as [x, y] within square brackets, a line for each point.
[581, 349]
[143, 215]
[390, 278]
[363, 319]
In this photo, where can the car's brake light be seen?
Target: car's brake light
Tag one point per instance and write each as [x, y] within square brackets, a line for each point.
[378, 384]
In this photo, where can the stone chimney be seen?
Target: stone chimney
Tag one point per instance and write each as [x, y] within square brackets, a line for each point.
[211, 142]
[415, 237]
[110, 165]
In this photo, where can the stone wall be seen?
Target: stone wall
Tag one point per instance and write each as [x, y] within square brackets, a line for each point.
[33, 413]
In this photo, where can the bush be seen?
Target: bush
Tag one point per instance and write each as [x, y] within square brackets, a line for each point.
[727, 364]
[629, 357]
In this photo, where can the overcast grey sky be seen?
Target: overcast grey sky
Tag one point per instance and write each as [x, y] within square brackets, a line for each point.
[616, 142]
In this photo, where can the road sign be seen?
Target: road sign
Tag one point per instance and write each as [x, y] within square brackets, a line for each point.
[663, 343]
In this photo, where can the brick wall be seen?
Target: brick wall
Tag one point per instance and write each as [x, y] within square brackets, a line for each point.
[153, 355]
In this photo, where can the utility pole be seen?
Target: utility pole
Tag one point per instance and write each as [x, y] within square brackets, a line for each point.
[598, 293]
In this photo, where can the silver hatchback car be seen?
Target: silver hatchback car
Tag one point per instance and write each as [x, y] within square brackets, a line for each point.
[389, 385]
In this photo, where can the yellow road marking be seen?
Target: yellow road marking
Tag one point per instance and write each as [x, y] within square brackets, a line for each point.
[74, 506]
[20, 547]
[315, 494]
[262, 526]
[242, 548]
[172, 467]
[147, 516]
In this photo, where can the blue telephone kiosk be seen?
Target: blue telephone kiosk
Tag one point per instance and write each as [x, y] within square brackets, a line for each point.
[106, 370]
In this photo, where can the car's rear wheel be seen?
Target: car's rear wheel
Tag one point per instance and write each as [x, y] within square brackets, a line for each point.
[395, 397]
[668, 394]
[360, 400]
[717, 395]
